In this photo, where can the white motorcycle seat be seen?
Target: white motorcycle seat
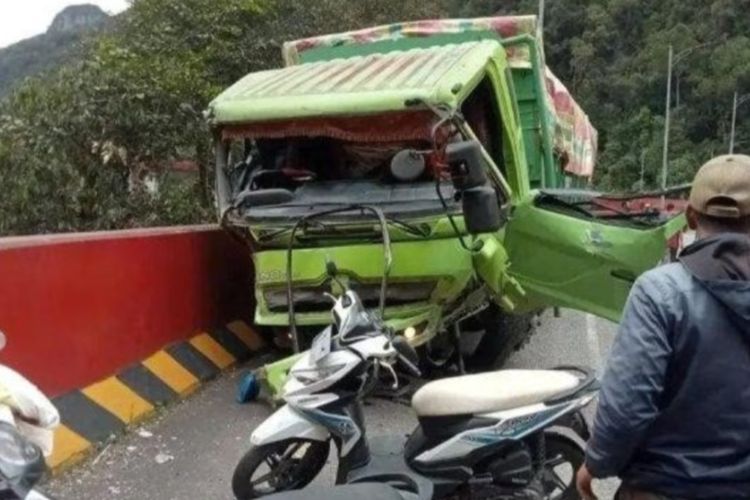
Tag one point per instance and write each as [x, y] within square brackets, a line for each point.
[490, 392]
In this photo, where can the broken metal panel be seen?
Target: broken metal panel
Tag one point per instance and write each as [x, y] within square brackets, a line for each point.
[669, 207]
[582, 263]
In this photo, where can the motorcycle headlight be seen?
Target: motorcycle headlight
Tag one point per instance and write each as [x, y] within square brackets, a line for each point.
[309, 376]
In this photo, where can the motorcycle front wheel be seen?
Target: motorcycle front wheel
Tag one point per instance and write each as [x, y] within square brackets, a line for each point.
[286, 465]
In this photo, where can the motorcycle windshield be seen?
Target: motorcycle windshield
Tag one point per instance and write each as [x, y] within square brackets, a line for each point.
[358, 323]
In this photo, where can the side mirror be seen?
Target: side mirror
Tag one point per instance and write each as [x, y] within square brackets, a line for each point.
[481, 210]
[466, 164]
[479, 201]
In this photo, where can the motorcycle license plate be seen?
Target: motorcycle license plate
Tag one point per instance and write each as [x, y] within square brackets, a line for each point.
[321, 345]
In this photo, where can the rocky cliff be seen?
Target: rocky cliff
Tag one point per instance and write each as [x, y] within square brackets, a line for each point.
[77, 18]
[50, 50]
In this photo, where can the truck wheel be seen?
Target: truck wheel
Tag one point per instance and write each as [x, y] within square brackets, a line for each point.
[503, 334]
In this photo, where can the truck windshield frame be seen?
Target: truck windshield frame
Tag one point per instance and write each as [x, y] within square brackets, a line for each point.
[406, 200]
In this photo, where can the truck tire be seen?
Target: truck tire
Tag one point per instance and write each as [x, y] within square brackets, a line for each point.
[503, 334]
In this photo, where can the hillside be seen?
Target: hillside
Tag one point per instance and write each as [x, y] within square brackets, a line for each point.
[51, 49]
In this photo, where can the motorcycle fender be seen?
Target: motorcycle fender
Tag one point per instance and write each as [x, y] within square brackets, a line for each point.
[287, 423]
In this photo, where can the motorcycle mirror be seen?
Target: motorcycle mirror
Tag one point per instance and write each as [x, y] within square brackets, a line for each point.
[331, 269]
[21, 462]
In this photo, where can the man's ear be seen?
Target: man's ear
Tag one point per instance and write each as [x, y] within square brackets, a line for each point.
[692, 218]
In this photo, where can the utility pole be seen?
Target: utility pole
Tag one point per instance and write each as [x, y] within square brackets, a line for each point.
[738, 101]
[665, 153]
[643, 170]
[673, 60]
[734, 123]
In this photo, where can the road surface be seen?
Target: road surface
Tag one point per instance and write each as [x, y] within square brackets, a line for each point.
[191, 449]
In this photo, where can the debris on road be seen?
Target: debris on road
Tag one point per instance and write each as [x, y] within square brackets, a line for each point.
[163, 458]
[144, 433]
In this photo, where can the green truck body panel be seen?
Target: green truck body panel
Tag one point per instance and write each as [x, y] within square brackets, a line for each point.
[543, 256]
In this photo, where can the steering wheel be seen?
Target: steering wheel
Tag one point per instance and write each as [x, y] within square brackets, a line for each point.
[299, 174]
[292, 174]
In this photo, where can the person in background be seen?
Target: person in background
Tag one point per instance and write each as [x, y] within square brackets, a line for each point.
[673, 420]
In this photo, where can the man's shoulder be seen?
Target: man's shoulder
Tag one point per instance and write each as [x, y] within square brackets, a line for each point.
[666, 279]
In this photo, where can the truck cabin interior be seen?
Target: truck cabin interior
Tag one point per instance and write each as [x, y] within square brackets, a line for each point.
[391, 159]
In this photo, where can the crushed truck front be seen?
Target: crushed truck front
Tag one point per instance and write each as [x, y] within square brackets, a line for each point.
[363, 120]
[334, 126]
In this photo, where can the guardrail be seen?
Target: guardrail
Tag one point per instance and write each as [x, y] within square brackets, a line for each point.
[79, 307]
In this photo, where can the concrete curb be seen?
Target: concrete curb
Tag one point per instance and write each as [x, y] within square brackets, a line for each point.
[92, 415]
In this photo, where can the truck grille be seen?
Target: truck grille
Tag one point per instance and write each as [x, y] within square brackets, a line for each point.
[311, 298]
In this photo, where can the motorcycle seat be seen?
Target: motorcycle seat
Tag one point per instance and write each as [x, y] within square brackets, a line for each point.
[491, 392]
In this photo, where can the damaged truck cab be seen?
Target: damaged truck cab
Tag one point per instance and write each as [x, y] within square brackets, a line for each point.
[376, 118]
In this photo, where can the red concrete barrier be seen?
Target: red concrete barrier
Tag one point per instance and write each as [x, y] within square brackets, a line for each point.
[76, 308]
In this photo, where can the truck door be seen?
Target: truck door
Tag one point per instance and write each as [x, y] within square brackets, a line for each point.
[583, 251]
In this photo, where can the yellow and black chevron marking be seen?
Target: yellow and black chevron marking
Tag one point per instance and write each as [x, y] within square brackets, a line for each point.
[91, 415]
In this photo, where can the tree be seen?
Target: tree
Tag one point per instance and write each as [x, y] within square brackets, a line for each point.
[84, 147]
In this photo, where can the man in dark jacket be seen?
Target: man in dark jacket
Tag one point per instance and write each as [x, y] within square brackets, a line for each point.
[673, 420]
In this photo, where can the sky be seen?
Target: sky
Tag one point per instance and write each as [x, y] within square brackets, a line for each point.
[21, 19]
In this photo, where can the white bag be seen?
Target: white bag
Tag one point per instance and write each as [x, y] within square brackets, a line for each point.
[22, 404]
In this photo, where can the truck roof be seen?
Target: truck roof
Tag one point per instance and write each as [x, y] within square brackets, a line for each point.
[357, 85]
[572, 133]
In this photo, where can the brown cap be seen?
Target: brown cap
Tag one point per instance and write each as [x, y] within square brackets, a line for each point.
[722, 187]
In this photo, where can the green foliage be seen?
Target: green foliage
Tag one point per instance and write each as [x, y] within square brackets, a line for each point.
[612, 55]
[34, 56]
[82, 149]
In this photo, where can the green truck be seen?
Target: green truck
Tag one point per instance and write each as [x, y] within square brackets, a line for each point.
[476, 157]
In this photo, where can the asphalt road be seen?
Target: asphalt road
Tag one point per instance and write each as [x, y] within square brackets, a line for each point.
[191, 449]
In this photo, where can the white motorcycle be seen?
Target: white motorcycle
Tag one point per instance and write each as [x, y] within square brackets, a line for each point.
[508, 434]
[27, 420]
